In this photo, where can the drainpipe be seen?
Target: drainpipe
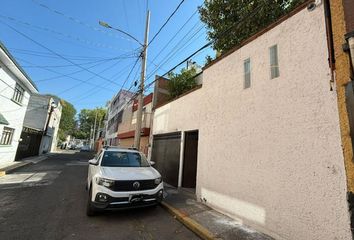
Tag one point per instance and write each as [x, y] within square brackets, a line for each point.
[329, 33]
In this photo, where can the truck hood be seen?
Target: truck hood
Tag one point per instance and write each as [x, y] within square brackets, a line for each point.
[129, 173]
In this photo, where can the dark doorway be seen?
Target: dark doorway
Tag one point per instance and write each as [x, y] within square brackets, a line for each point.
[190, 159]
[29, 146]
[166, 155]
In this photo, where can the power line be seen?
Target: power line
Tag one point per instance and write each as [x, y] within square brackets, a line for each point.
[72, 57]
[41, 45]
[8, 86]
[76, 79]
[85, 81]
[178, 31]
[185, 46]
[78, 21]
[75, 38]
[60, 74]
[89, 92]
[137, 60]
[67, 65]
[171, 54]
[222, 34]
[163, 25]
[186, 38]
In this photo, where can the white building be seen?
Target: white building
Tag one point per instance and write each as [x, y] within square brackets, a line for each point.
[261, 138]
[16, 87]
[41, 126]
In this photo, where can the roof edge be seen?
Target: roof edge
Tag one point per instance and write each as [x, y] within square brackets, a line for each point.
[259, 33]
[7, 52]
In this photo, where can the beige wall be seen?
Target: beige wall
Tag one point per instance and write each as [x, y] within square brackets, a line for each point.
[129, 142]
[275, 148]
[129, 119]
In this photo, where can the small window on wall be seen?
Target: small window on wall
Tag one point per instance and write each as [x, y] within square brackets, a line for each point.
[247, 73]
[274, 65]
[18, 94]
[6, 136]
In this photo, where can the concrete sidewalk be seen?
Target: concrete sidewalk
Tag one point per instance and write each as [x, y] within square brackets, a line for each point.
[15, 165]
[204, 221]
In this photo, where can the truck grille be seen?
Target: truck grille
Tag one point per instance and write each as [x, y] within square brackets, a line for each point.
[130, 185]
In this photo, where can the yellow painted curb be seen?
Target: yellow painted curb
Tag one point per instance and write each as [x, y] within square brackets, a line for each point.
[12, 168]
[190, 223]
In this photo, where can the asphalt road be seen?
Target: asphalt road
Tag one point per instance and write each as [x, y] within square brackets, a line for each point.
[47, 201]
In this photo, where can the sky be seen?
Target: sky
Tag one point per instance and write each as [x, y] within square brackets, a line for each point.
[67, 53]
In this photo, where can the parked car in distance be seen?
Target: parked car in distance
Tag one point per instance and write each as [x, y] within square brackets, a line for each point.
[85, 148]
[122, 178]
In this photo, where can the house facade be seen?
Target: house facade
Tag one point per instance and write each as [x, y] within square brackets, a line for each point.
[126, 128]
[16, 88]
[261, 140]
[114, 116]
[40, 127]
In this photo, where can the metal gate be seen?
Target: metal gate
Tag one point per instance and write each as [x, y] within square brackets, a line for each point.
[190, 159]
[29, 146]
[166, 154]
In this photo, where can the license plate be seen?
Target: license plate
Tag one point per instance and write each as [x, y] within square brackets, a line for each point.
[136, 198]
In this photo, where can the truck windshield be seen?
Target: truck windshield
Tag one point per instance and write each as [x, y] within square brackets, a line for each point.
[123, 159]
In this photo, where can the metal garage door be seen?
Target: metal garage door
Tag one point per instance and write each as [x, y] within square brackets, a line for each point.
[165, 153]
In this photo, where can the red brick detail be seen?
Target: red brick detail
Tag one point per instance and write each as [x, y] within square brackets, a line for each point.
[147, 100]
[130, 134]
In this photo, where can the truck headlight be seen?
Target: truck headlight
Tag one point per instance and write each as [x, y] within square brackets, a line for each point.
[108, 183]
[158, 181]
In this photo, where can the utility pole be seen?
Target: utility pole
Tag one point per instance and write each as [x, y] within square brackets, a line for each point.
[49, 118]
[91, 137]
[94, 129]
[141, 90]
[99, 127]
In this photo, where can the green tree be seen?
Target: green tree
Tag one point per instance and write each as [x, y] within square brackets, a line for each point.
[181, 82]
[67, 121]
[229, 22]
[208, 60]
[86, 120]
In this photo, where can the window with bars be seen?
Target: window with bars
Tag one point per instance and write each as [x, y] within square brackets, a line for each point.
[274, 65]
[6, 137]
[18, 94]
[247, 73]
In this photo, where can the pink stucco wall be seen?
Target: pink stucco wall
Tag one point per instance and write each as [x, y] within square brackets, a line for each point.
[270, 155]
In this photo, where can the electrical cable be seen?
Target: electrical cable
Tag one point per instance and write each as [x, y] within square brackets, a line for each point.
[78, 21]
[76, 79]
[73, 57]
[75, 38]
[163, 25]
[226, 32]
[86, 81]
[174, 36]
[94, 90]
[48, 49]
[122, 84]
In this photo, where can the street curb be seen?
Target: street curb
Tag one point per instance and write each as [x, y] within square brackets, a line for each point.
[13, 168]
[195, 227]
[24, 162]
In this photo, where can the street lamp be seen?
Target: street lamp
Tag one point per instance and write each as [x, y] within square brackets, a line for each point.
[143, 56]
[106, 25]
